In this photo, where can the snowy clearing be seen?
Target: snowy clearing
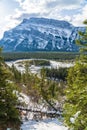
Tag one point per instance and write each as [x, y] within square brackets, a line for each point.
[48, 124]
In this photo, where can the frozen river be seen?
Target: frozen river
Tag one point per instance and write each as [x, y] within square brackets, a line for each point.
[36, 69]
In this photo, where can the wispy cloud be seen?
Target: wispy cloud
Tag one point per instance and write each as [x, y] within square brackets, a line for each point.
[73, 11]
[79, 18]
[50, 8]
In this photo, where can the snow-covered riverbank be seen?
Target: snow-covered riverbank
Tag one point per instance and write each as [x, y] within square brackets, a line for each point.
[36, 69]
[48, 124]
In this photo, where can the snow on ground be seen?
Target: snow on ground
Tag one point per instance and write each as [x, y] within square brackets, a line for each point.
[24, 98]
[32, 105]
[55, 64]
[45, 124]
[36, 69]
[48, 124]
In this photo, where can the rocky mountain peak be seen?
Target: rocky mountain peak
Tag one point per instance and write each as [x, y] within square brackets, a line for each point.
[41, 34]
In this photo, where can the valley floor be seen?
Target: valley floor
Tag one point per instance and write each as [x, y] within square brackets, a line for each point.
[46, 124]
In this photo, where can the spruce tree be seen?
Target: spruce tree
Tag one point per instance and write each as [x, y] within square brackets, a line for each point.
[75, 108]
[9, 115]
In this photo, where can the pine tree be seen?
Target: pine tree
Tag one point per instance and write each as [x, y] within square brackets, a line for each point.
[75, 108]
[9, 115]
[16, 74]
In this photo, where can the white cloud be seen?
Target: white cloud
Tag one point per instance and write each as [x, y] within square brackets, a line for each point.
[64, 4]
[78, 19]
[52, 9]
[46, 8]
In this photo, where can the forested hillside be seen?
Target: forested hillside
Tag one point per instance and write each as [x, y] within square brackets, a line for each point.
[59, 92]
[75, 111]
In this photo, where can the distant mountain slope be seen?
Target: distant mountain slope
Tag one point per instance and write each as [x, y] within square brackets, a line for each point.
[41, 34]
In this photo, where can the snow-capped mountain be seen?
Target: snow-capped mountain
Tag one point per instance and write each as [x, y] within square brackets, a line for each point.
[41, 34]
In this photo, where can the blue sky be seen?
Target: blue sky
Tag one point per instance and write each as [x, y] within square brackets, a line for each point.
[12, 12]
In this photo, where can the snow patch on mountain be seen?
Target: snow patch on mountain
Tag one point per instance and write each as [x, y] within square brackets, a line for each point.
[41, 34]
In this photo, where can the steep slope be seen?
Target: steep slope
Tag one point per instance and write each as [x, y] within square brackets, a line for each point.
[41, 34]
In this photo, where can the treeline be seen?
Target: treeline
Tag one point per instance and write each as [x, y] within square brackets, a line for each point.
[40, 55]
[75, 106]
[38, 88]
[39, 62]
[35, 62]
[56, 74]
[9, 92]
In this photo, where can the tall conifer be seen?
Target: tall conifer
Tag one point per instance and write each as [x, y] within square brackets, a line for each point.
[9, 115]
[75, 108]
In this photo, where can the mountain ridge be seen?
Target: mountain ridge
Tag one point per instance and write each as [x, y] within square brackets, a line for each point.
[41, 34]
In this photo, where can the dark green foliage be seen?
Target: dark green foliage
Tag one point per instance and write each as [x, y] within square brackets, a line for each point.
[85, 22]
[9, 115]
[59, 74]
[52, 90]
[82, 42]
[41, 88]
[16, 74]
[77, 96]
[40, 55]
[75, 107]
[39, 62]
[36, 62]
